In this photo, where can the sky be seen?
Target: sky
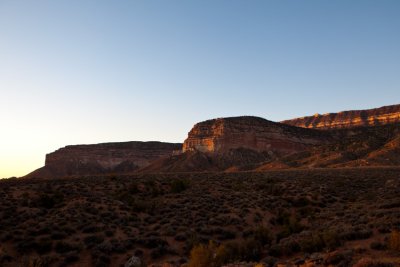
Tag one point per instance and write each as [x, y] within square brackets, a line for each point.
[92, 71]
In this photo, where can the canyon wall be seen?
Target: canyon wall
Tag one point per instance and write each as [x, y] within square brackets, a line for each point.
[349, 119]
[224, 134]
[103, 158]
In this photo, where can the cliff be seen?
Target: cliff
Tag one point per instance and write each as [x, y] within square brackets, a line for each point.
[349, 119]
[103, 158]
[225, 134]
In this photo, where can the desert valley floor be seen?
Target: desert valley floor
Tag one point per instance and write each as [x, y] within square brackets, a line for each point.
[320, 217]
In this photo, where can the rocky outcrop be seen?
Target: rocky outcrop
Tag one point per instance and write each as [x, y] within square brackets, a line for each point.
[103, 158]
[225, 134]
[349, 119]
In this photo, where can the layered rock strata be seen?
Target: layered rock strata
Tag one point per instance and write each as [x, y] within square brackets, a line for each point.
[103, 158]
[349, 119]
[225, 134]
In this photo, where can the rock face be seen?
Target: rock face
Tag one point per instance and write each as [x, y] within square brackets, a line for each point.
[103, 158]
[349, 119]
[225, 134]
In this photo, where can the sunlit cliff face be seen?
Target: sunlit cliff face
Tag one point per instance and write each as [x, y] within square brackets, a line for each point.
[221, 135]
[349, 119]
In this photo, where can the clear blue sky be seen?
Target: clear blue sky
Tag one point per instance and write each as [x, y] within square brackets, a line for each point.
[79, 71]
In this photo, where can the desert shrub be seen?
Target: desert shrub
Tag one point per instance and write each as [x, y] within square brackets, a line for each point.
[180, 237]
[246, 250]
[90, 229]
[390, 205]
[92, 240]
[192, 240]
[101, 260]
[366, 262]
[139, 205]
[48, 201]
[290, 224]
[394, 240]
[25, 246]
[287, 246]
[64, 247]
[43, 231]
[4, 257]
[225, 234]
[158, 252]
[270, 187]
[262, 234]
[43, 246]
[58, 235]
[109, 233]
[250, 250]
[201, 256]
[306, 211]
[179, 185]
[134, 202]
[338, 258]
[35, 262]
[331, 239]
[299, 201]
[377, 245]
[133, 188]
[356, 234]
[153, 242]
[209, 255]
[312, 243]
[71, 259]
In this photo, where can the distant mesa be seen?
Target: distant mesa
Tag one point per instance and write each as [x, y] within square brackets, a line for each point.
[123, 157]
[349, 119]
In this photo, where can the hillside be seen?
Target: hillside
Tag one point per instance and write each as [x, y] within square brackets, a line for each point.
[366, 146]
